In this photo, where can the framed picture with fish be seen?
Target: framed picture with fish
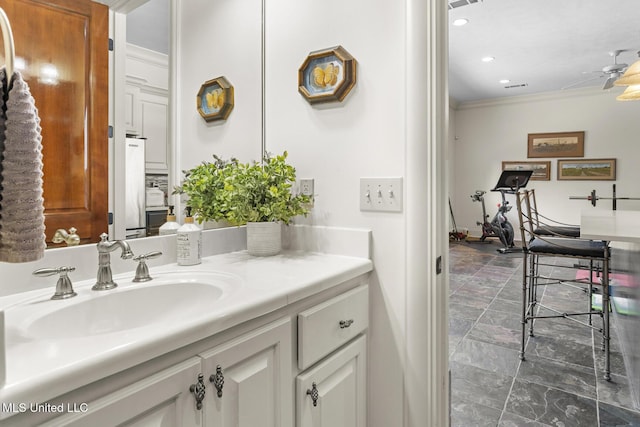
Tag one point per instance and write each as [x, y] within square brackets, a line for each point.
[215, 99]
[327, 75]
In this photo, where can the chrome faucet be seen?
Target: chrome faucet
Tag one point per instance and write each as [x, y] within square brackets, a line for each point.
[105, 247]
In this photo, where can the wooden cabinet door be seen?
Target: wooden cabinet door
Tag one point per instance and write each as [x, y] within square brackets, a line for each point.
[338, 386]
[163, 399]
[62, 52]
[257, 389]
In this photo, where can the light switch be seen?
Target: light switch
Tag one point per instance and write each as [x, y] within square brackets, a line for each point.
[381, 194]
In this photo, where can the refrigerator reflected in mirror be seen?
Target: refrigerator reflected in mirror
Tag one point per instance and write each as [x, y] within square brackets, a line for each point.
[135, 215]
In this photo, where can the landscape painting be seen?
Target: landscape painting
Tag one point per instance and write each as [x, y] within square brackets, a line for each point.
[541, 170]
[587, 169]
[565, 144]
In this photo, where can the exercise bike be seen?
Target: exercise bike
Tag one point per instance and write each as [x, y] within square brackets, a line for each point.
[499, 226]
[508, 183]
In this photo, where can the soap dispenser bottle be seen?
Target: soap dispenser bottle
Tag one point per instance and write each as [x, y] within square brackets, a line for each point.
[189, 242]
[171, 226]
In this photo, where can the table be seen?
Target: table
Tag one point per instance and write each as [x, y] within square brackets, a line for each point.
[622, 228]
[609, 225]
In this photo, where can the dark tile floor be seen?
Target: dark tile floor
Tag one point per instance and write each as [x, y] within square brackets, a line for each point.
[559, 384]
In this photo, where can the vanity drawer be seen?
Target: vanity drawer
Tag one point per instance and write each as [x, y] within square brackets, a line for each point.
[327, 326]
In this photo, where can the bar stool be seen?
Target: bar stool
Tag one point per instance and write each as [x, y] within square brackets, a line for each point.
[548, 226]
[536, 249]
[552, 228]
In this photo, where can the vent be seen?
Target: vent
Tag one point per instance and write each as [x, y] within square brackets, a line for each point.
[514, 86]
[459, 3]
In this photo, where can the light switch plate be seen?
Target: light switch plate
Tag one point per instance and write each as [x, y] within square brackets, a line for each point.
[381, 194]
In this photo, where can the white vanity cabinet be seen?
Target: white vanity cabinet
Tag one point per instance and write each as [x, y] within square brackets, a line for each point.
[332, 393]
[253, 374]
[162, 399]
[302, 365]
[249, 379]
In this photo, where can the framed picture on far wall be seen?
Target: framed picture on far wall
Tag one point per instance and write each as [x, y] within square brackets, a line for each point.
[562, 144]
[541, 169]
[587, 169]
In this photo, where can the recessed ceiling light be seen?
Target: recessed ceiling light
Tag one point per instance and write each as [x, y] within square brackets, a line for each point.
[460, 22]
[504, 81]
[488, 59]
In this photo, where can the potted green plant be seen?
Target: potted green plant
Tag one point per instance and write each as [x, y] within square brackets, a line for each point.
[256, 194]
[203, 185]
[260, 196]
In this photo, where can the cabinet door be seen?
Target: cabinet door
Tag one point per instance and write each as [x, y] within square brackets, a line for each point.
[257, 388]
[338, 386]
[154, 119]
[132, 110]
[163, 399]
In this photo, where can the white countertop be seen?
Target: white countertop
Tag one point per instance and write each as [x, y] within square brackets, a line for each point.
[38, 370]
[617, 226]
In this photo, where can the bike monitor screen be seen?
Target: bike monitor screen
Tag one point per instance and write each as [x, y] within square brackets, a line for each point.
[513, 180]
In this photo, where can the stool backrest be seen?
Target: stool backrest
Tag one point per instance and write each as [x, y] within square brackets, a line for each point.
[526, 216]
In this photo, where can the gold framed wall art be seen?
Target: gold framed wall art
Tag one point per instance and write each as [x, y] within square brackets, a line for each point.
[587, 169]
[559, 144]
[215, 99]
[541, 169]
[327, 75]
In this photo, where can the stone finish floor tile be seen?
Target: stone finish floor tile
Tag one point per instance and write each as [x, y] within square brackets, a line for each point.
[614, 416]
[496, 334]
[476, 385]
[512, 420]
[559, 349]
[559, 384]
[616, 391]
[469, 414]
[486, 356]
[551, 406]
[564, 376]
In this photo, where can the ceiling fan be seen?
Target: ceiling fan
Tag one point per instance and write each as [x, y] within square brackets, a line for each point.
[612, 72]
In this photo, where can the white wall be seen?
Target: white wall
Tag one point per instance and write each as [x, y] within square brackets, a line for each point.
[219, 38]
[490, 132]
[337, 143]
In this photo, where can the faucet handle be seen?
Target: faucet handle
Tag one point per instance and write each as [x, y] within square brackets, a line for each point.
[64, 288]
[70, 237]
[142, 272]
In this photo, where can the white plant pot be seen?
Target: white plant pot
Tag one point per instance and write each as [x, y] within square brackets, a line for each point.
[264, 238]
[212, 225]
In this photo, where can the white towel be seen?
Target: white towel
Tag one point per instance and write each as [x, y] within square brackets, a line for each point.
[22, 236]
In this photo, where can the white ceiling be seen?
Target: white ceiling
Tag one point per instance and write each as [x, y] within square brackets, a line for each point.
[545, 44]
[148, 26]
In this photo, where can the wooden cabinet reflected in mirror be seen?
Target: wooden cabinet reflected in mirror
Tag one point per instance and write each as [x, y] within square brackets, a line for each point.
[62, 52]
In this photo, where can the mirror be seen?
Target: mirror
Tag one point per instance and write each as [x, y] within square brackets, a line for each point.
[207, 36]
[205, 55]
[147, 153]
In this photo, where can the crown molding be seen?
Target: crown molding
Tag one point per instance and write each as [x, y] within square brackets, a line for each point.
[538, 97]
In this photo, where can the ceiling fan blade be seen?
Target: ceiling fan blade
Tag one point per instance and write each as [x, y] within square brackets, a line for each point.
[609, 83]
[581, 82]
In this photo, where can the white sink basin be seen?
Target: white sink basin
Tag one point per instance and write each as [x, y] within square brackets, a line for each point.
[166, 300]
